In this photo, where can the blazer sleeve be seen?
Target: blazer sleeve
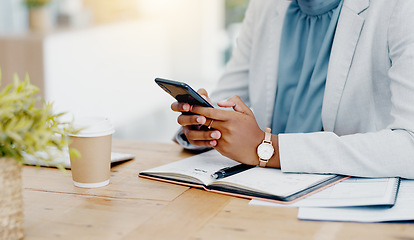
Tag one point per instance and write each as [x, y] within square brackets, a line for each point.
[386, 153]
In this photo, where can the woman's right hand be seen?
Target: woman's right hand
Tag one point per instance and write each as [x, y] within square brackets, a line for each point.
[191, 123]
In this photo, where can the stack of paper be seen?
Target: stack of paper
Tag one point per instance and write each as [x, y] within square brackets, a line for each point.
[402, 210]
[350, 192]
[358, 200]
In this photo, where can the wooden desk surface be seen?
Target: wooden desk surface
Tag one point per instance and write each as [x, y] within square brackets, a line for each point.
[134, 208]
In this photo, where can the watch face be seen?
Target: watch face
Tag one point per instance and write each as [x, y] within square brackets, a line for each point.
[265, 151]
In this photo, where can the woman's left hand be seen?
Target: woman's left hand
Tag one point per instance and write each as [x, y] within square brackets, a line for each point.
[240, 133]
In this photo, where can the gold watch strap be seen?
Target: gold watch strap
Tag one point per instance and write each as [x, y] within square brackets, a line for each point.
[268, 139]
[268, 135]
[262, 163]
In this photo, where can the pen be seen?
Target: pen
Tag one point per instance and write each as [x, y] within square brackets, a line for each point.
[228, 171]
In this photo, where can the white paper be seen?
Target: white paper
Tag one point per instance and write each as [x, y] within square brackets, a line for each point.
[200, 166]
[274, 181]
[62, 158]
[350, 192]
[403, 209]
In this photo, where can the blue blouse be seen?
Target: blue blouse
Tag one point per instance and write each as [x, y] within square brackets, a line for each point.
[305, 48]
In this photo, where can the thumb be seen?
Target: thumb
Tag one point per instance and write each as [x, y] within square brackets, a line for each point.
[202, 91]
[237, 104]
[204, 94]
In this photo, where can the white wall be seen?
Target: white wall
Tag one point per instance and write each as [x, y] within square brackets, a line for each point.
[109, 70]
[196, 30]
[13, 16]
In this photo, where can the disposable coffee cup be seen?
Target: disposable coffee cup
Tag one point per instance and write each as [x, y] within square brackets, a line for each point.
[94, 142]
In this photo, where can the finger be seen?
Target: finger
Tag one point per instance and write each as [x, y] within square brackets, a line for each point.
[210, 143]
[180, 107]
[210, 124]
[196, 135]
[187, 120]
[202, 91]
[204, 94]
[237, 104]
[212, 113]
[214, 125]
[226, 103]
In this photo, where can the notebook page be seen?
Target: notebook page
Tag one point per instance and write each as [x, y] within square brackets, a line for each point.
[274, 181]
[200, 166]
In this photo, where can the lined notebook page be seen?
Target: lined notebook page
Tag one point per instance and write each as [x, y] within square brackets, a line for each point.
[273, 181]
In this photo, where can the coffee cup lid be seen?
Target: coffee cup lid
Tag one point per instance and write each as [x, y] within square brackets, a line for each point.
[93, 127]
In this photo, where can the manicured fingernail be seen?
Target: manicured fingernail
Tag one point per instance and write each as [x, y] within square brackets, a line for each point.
[215, 135]
[213, 143]
[186, 107]
[200, 120]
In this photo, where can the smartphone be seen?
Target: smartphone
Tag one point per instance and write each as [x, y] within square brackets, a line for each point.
[185, 94]
[182, 92]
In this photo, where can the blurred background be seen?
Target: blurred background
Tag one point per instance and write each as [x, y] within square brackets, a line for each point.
[100, 57]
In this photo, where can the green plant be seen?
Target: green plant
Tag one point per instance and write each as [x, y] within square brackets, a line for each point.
[36, 3]
[26, 128]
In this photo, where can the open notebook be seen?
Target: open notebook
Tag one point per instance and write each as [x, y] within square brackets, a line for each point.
[62, 157]
[255, 183]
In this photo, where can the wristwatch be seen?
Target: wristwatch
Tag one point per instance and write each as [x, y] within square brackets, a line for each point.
[265, 150]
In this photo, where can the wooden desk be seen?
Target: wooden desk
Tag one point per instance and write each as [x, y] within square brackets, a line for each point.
[136, 208]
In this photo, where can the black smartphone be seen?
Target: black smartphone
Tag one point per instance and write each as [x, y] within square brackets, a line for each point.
[182, 92]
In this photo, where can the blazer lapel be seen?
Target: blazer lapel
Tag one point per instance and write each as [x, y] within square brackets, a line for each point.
[347, 34]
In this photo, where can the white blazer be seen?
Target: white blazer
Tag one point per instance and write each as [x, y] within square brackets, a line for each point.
[368, 107]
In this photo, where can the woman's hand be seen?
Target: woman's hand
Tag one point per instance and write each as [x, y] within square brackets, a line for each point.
[235, 134]
[191, 123]
[240, 133]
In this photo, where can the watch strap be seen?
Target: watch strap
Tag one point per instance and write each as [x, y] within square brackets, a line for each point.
[267, 139]
[268, 135]
[262, 163]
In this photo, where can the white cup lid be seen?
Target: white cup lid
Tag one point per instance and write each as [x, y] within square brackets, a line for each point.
[93, 127]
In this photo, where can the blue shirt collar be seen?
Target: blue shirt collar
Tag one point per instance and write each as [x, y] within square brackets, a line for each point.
[317, 7]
